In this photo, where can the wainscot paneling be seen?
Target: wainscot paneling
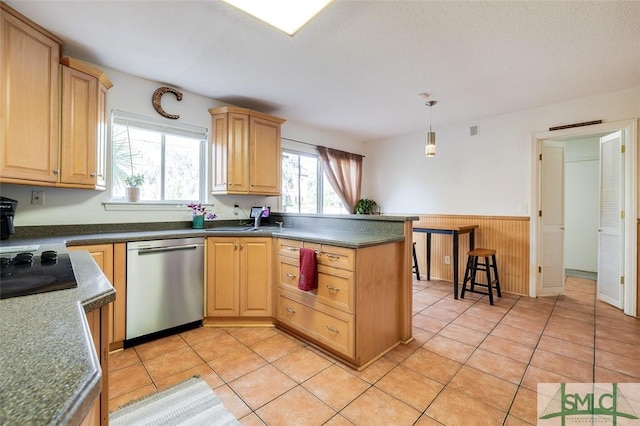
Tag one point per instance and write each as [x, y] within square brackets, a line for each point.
[508, 235]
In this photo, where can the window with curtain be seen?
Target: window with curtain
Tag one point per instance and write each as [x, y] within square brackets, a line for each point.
[305, 188]
[344, 172]
[170, 156]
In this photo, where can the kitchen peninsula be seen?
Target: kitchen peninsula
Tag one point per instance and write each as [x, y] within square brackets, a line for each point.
[375, 255]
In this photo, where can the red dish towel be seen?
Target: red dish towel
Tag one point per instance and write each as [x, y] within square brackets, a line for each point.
[308, 270]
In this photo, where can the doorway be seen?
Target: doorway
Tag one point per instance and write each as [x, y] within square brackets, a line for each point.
[549, 257]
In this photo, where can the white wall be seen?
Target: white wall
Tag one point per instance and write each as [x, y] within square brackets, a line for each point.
[133, 94]
[487, 174]
[581, 204]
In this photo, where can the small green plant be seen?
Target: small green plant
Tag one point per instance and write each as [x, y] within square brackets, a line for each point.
[134, 181]
[366, 206]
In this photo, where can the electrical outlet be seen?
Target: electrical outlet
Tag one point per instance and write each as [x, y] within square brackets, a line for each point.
[447, 260]
[236, 209]
[37, 198]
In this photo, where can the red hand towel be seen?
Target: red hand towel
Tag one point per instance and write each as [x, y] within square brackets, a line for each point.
[308, 270]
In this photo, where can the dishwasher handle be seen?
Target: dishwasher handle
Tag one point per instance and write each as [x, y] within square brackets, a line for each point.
[154, 250]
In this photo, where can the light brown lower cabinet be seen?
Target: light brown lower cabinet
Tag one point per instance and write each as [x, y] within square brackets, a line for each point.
[112, 259]
[101, 325]
[98, 321]
[239, 278]
[355, 313]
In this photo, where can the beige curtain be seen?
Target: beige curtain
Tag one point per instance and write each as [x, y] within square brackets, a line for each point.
[344, 171]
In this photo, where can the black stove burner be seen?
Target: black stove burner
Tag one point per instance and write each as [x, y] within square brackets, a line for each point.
[26, 274]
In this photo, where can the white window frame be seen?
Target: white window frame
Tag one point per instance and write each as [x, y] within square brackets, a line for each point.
[319, 178]
[177, 129]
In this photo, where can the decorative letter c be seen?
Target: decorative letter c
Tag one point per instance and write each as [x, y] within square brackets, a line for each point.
[157, 96]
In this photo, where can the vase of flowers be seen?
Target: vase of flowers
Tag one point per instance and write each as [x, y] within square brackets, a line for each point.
[133, 182]
[199, 214]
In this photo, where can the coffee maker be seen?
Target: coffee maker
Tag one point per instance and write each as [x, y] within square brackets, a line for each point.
[7, 211]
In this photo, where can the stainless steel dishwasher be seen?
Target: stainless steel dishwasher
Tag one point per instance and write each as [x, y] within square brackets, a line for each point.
[165, 285]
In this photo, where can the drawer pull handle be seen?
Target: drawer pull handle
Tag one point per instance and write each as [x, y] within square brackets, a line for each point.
[333, 257]
[336, 289]
[293, 249]
[332, 330]
[290, 311]
[291, 276]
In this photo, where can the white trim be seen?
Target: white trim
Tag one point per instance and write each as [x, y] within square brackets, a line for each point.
[630, 128]
[140, 121]
[148, 206]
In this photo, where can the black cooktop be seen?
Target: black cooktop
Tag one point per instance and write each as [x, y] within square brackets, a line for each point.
[26, 274]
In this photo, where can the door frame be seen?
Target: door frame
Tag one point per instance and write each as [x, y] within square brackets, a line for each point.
[630, 128]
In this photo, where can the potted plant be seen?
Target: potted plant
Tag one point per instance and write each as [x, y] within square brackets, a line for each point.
[133, 182]
[199, 214]
[366, 206]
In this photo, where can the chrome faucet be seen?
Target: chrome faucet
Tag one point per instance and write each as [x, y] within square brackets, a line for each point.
[259, 217]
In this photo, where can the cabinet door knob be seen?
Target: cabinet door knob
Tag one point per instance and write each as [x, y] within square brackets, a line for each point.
[291, 276]
[336, 289]
[289, 310]
[56, 171]
[93, 174]
[332, 330]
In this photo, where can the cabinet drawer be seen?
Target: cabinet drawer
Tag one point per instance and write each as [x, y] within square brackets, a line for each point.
[289, 271]
[289, 248]
[335, 286]
[332, 328]
[337, 257]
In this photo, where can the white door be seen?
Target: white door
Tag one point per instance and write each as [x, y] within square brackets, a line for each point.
[611, 227]
[552, 218]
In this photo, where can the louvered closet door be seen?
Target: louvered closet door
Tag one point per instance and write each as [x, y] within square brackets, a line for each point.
[610, 231]
[552, 220]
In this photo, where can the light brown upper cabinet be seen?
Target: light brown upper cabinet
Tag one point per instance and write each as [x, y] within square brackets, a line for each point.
[52, 132]
[84, 121]
[246, 152]
[29, 101]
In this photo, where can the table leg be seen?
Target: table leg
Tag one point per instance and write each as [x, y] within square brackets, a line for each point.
[472, 241]
[428, 256]
[455, 264]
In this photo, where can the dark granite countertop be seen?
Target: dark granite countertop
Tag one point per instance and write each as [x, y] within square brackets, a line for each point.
[342, 238]
[49, 371]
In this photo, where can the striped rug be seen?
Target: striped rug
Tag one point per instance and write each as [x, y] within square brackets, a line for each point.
[191, 402]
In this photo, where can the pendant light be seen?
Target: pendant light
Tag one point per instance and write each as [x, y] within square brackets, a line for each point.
[430, 146]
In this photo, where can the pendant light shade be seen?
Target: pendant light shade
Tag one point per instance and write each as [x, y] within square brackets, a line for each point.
[430, 145]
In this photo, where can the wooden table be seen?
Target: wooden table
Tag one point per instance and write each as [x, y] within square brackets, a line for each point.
[454, 231]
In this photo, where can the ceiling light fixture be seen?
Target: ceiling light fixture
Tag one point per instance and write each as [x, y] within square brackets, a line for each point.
[430, 146]
[286, 15]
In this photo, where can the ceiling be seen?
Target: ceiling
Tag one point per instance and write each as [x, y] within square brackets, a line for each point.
[358, 68]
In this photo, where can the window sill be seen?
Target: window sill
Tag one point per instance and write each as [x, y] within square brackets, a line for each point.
[145, 206]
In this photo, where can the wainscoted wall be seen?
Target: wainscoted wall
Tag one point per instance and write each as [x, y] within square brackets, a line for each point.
[508, 235]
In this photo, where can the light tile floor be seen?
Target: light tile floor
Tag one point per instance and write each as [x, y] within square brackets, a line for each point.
[470, 363]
